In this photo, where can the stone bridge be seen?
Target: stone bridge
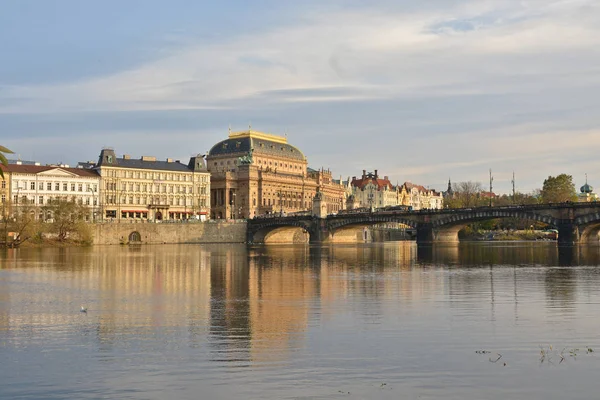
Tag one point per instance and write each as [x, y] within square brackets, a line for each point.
[576, 222]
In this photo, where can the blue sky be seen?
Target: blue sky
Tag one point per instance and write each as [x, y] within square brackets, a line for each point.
[421, 91]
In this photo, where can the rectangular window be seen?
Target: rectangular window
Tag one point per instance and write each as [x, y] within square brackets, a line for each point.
[41, 200]
[88, 187]
[57, 187]
[3, 184]
[80, 187]
[72, 187]
[4, 198]
[48, 186]
[95, 187]
[124, 186]
[32, 185]
[65, 187]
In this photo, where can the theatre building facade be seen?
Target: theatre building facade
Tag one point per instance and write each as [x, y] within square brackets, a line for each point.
[259, 174]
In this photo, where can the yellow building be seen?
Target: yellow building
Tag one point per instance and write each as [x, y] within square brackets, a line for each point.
[256, 174]
[149, 189]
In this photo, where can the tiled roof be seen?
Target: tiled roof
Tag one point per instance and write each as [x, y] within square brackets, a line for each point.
[156, 165]
[36, 169]
[243, 145]
[420, 188]
[380, 183]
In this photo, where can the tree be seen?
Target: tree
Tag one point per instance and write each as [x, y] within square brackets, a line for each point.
[3, 160]
[67, 218]
[559, 189]
[23, 223]
[465, 195]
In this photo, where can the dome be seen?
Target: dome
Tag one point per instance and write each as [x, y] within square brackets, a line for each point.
[260, 143]
[586, 189]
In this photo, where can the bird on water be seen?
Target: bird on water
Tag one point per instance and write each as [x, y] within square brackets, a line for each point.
[83, 309]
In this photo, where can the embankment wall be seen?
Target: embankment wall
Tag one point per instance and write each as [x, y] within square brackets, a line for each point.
[152, 233]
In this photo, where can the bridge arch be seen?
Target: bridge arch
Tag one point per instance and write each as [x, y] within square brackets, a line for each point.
[446, 228]
[352, 229]
[589, 227]
[280, 231]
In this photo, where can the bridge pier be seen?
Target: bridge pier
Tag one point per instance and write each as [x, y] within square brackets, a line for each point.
[568, 232]
[426, 233]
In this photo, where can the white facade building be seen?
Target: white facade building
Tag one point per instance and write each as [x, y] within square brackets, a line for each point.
[37, 185]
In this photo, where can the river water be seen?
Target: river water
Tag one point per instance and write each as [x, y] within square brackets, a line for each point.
[376, 321]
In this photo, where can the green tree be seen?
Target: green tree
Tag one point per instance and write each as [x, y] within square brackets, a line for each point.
[558, 189]
[3, 160]
[67, 219]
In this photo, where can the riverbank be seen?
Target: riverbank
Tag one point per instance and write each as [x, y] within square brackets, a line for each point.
[511, 236]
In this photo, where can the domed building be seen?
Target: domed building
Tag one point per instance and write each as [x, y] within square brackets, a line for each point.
[587, 193]
[255, 174]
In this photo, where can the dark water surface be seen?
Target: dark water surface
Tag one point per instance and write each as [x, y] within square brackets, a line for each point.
[380, 321]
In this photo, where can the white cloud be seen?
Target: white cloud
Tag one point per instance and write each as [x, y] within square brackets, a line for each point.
[387, 54]
[514, 78]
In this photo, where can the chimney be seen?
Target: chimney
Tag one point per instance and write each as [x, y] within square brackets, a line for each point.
[375, 174]
[364, 173]
[386, 178]
[126, 157]
[169, 160]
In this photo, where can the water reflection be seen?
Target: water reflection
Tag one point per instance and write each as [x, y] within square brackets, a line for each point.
[267, 307]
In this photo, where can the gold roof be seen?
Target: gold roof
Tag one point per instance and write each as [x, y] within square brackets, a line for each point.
[258, 135]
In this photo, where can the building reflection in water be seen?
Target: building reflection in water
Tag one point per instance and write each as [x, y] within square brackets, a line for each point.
[258, 304]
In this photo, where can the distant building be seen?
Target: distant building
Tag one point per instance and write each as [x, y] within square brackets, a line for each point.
[420, 197]
[36, 185]
[255, 173]
[148, 189]
[372, 191]
[587, 193]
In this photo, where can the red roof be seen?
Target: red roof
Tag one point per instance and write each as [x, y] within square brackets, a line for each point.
[380, 183]
[410, 185]
[36, 169]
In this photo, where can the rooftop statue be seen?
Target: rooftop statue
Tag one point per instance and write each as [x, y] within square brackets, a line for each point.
[247, 159]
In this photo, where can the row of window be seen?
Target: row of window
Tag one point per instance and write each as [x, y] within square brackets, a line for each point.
[40, 200]
[155, 188]
[184, 177]
[261, 162]
[159, 200]
[56, 186]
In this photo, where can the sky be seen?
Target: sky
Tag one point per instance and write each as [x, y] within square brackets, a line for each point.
[422, 91]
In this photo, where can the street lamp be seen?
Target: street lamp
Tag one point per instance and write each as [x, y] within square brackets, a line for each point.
[233, 203]
[281, 196]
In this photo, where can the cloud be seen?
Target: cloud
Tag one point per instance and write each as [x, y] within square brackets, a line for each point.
[472, 47]
[425, 89]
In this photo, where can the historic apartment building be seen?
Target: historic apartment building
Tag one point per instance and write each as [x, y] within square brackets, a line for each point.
[420, 197]
[148, 189]
[37, 185]
[372, 191]
[257, 174]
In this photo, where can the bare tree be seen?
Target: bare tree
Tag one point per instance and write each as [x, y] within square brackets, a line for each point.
[466, 194]
[67, 218]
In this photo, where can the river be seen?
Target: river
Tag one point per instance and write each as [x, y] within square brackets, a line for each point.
[374, 321]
